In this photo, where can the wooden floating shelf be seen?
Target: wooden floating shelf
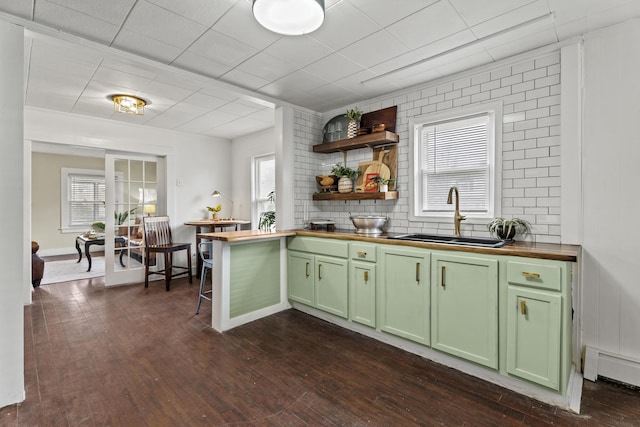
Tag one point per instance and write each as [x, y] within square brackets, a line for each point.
[370, 140]
[389, 195]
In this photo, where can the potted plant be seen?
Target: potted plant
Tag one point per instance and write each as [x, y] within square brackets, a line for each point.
[268, 219]
[120, 218]
[353, 115]
[346, 176]
[383, 184]
[214, 211]
[507, 229]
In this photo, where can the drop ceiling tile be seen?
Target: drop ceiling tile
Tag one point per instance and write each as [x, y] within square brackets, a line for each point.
[428, 25]
[18, 8]
[476, 11]
[240, 24]
[386, 47]
[55, 82]
[205, 12]
[88, 106]
[146, 47]
[51, 101]
[418, 79]
[121, 79]
[238, 109]
[387, 12]
[343, 25]
[398, 62]
[301, 81]
[266, 115]
[207, 121]
[220, 92]
[298, 51]
[465, 63]
[73, 22]
[511, 19]
[330, 92]
[244, 126]
[245, 80]
[519, 45]
[112, 11]
[199, 64]
[173, 78]
[163, 25]
[157, 89]
[172, 118]
[266, 67]
[333, 67]
[129, 67]
[446, 44]
[221, 48]
[202, 101]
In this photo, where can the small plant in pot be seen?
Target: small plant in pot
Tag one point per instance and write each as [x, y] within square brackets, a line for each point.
[507, 229]
[346, 176]
[354, 122]
[383, 184]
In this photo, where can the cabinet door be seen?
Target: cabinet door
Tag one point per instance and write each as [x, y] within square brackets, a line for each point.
[403, 295]
[300, 271]
[533, 336]
[362, 293]
[464, 304]
[331, 293]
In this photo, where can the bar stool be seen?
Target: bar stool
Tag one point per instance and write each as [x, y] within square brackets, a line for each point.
[205, 248]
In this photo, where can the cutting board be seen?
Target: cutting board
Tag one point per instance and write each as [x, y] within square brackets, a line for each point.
[379, 168]
[362, 167]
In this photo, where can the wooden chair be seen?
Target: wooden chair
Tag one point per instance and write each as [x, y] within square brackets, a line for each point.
[157, 236]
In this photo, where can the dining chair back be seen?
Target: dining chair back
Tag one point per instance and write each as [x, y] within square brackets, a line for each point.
[206, 255]
[158, 240]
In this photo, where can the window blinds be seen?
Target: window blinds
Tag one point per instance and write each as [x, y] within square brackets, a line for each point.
[86, 199]
[456, 153]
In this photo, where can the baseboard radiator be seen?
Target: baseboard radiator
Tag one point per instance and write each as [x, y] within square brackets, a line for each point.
[616, 367]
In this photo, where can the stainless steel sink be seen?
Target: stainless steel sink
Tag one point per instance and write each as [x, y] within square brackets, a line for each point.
[453, 240]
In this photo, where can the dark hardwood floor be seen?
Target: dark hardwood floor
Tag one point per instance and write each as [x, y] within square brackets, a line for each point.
[130, 356]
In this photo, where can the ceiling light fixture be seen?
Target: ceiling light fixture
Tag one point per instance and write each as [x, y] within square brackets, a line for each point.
[289, 17]
[128, 104]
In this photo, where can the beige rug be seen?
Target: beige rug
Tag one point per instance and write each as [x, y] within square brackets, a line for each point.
[71, 269]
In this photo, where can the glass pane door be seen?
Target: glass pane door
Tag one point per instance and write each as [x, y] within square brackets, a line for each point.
[133, 194]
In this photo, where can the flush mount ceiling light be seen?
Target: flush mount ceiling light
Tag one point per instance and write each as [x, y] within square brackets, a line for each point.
[128, 104]
[289, 17]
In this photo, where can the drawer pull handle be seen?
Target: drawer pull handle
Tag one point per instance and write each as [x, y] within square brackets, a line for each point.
[319, 273]
[362, 254]
[523, 307]
[418, 272]
[306, 269]
[442, 279]
[530, 275]
[366, 276]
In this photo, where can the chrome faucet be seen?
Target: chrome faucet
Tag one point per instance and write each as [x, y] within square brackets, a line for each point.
[456, 216]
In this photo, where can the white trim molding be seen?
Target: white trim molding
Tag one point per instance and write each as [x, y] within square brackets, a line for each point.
[620, 368]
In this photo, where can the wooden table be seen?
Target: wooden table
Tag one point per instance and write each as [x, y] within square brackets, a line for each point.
[87, 242]
[212, 224]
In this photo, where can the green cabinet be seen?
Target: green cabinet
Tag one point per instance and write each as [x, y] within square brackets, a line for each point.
[317, 279]
[362, 283]
[464, 307]
[403, 292]
[537, 348]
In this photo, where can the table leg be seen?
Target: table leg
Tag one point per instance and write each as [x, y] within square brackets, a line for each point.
[79, 251]
[87, 253]
[198, 259]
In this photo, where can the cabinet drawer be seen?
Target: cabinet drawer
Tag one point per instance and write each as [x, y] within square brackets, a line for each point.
[534, 275]
[332, 247]
[363, 252]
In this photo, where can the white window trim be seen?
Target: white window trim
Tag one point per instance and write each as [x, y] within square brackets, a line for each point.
[255, 215]
[495, 169]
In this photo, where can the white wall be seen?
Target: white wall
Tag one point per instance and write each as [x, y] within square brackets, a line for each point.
[242, 150]
[13, 251]
[529, 89]
[611, 202]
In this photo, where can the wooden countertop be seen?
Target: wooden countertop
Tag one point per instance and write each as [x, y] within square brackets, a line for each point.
[550, 251]
[246, 235]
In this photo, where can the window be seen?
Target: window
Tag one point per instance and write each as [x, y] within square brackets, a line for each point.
[83, 197]
[455, 150]
[264, 182]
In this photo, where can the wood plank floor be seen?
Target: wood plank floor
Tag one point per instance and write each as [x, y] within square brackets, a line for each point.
[130, 356]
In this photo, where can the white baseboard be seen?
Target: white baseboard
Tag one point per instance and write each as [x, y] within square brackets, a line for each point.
[613, 366]
[68, 251]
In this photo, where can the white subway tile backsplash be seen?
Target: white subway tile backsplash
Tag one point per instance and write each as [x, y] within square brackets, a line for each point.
[530, 94]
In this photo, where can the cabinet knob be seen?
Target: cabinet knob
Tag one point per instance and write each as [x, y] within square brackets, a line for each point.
[362, 254]
[366, 276]
[442, 278]
[523, 307]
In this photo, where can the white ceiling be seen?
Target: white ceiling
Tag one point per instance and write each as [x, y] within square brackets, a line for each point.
[209, 68]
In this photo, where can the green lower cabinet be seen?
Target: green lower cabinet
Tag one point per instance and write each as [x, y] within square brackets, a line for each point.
[403, 292]
[533, 335]
[464, 304]
[362, 293]
[331, 285]
[301, 277]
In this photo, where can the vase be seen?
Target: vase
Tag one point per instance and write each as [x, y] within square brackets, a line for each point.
[501, 232]
[345, 185]
[214, 216]
[352, 129]
[383, 188]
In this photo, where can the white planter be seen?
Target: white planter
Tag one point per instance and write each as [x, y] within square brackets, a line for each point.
[345, 185]
[383, 188]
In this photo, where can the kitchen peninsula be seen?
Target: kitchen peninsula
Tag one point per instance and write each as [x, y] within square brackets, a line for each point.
[502, 314]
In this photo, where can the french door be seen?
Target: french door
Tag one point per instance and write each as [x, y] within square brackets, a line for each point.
[135, 188]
